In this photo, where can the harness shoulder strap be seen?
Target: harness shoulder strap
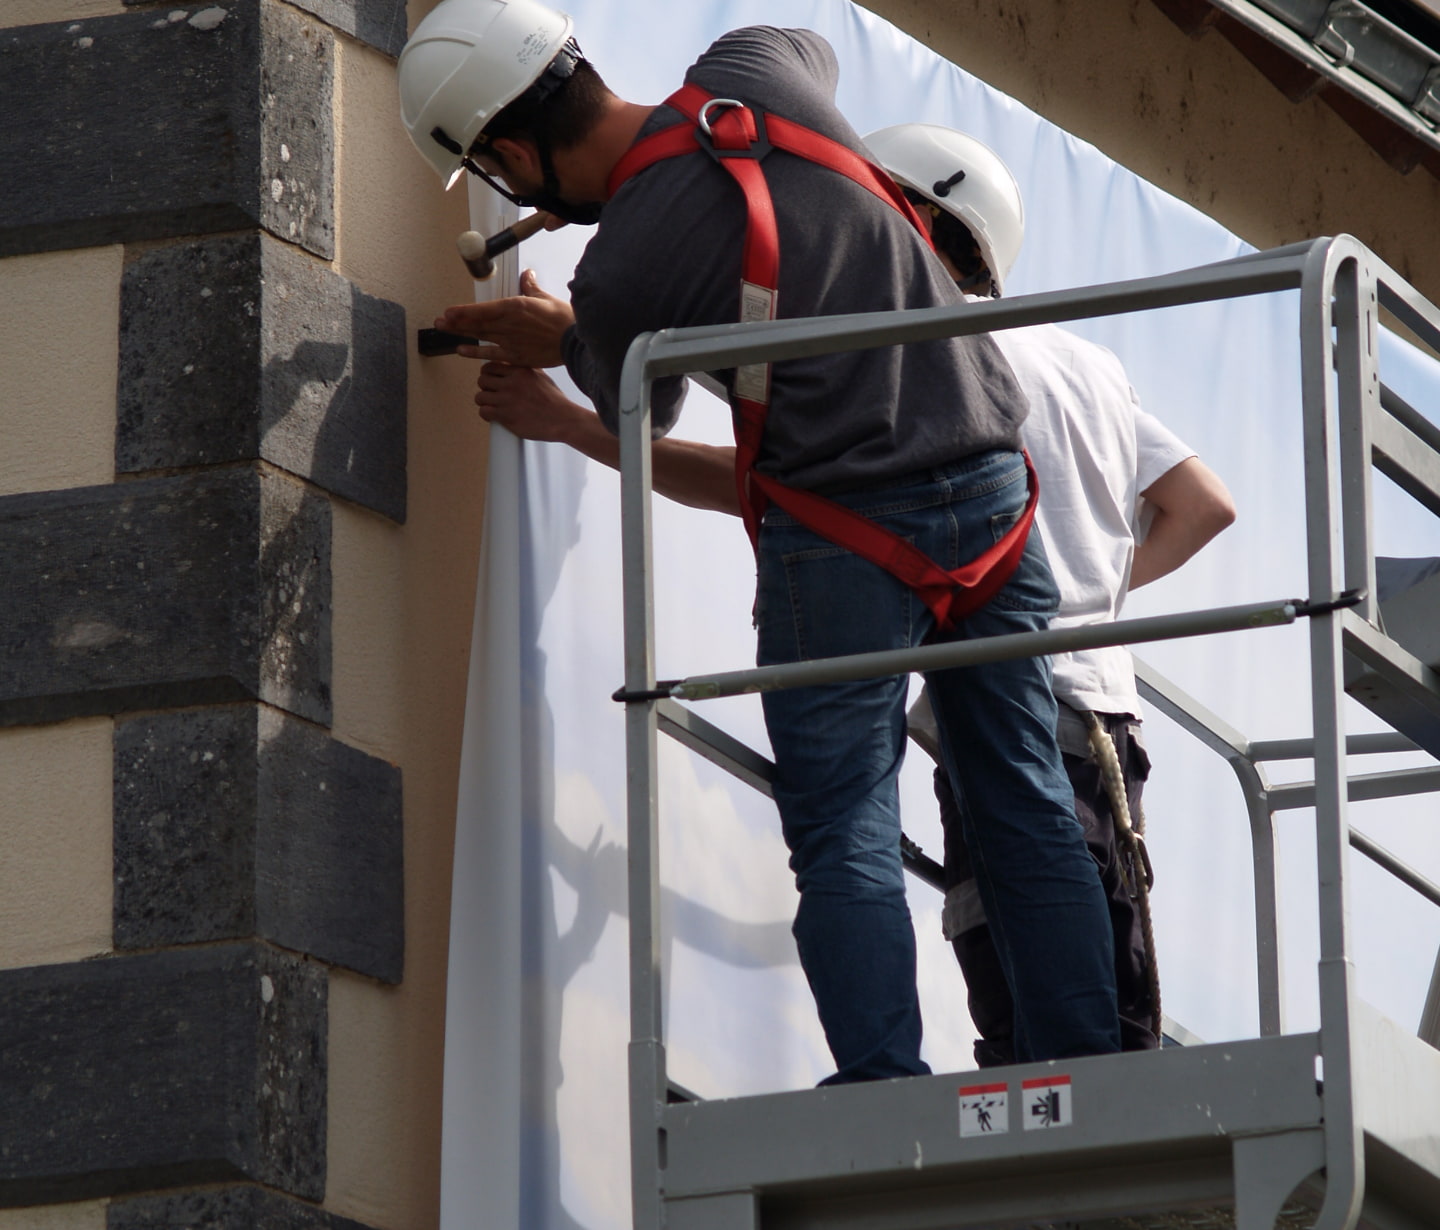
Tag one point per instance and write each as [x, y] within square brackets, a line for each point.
[691, 101]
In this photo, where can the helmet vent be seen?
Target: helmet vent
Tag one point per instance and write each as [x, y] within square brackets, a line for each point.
[942, 186]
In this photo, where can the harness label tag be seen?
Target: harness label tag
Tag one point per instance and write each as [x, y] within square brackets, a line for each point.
[752, 382]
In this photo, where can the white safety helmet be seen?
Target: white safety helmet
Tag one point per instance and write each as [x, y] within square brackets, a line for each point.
[466, 60]
[965, 178]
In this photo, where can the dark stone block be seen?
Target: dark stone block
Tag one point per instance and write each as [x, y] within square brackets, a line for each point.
[240, 348]
[185, 791]
[196, 589]
[190, 364]
[199, 1065]
[381, 23]
[240, 821]
[180, 120]
[224, 1208]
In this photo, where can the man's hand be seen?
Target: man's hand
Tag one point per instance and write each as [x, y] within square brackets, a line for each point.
[525, 330]
[529, 404]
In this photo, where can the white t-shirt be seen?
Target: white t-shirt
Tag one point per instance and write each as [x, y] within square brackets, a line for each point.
[1094, 450]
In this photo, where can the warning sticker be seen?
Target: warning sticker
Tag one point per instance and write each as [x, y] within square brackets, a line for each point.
[1047, 1102]
[984, 1110]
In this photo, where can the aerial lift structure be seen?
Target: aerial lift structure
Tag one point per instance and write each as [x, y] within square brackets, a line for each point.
[1331, 1128]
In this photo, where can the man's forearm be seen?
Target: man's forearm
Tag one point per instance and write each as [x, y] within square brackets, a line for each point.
[1192, 505]
[698, 475]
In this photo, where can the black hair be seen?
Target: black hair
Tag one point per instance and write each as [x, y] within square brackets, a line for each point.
[953, 238]
[557, 112]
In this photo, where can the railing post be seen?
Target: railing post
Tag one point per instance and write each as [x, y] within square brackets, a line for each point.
[1329, 299]
[647, 1051]
[1269, 956]
[1237, 751]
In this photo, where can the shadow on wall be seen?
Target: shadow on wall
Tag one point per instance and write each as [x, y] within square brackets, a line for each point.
[334, 408]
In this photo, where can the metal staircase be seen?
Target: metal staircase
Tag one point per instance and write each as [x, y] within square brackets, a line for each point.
[1332, 1129]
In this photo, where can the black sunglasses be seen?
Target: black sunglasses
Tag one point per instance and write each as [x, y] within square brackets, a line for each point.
[474, 168]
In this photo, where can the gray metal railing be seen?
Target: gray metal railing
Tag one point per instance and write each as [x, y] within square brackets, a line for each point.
[1351, 423]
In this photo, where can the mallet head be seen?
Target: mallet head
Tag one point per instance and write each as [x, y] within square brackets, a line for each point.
[475, 252]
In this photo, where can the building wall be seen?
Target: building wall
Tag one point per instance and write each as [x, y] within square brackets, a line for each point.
[246, 536]
[1192, 116]
[191, 927]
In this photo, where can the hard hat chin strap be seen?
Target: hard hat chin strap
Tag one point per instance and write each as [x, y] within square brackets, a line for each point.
[549, 199]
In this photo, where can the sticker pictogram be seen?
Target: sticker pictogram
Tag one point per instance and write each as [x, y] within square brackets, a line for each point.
[1047, 1102]
[984, 1110]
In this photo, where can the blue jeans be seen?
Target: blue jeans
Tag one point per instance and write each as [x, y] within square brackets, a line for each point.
[991, 1007]
[838, 750]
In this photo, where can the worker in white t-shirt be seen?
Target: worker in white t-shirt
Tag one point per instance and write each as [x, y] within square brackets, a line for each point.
[1122, 502]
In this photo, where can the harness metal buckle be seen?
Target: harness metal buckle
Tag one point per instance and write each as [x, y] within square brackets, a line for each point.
[705, 137]
[704, 116]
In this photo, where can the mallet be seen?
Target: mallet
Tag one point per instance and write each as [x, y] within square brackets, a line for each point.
[479, 253]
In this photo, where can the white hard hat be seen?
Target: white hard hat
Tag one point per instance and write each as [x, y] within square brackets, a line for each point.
[965, 178]
[466, 60]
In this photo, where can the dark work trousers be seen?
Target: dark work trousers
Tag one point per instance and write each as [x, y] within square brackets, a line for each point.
[989, 996]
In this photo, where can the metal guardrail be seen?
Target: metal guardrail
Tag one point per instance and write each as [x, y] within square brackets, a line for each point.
[1351, 422]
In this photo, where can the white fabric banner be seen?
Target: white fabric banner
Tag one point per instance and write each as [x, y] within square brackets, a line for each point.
[535, 1104]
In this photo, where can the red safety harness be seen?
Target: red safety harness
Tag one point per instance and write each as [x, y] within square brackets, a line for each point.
[738, 139]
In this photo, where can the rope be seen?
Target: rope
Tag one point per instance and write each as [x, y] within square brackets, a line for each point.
[1131, 840]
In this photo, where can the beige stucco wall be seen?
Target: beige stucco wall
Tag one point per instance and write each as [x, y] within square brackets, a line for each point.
[56, 871]
[59, 349]
[1191, 116]
[403, 597]
[34, 12]
[83, 1215]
